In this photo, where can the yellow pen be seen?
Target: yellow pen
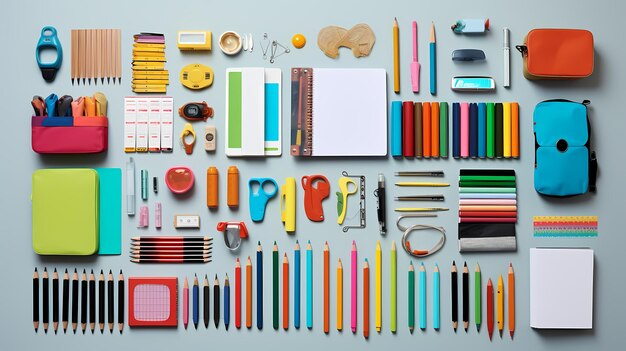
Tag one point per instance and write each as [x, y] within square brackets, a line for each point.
[422, 184]
[420, 209]
[288, 204]
[500, 305]
[379, 291]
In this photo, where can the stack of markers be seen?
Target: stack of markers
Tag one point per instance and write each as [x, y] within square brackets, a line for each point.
[485, 130]
[487, 210]
[149, 73]
[419, 129]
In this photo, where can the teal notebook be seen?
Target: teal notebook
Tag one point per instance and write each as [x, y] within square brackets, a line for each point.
[110, 211]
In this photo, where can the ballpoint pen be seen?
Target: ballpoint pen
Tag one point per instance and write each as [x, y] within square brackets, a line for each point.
[380, 193]
[507, 58]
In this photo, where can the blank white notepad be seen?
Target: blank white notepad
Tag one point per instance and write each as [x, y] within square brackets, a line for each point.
[561, 288]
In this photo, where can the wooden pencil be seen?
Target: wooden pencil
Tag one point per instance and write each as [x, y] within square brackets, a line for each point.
[326, 288]
[101, 303]
[118, 59]
[66, 300]
[285, 292]
[455, 296]
[55, 300]
[465, 281]
[36, 300]
[205, 301]
[46, 299]
[92, 302]
[74, 301]
[275, 279]
[366, 299]
[83, 301]
[216, 302]
[511, 300]
[249, 293]
[237, 294]
[74, 55]
[339, 295]
[110, 300]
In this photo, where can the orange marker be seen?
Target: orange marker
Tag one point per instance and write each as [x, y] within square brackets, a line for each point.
[285, 293]
[232, 187]
[366, 299]
[248, 294]
[212, 187]
[326, 288]
[434, 134]
[514, 130]
[511, 300]
[426, 133]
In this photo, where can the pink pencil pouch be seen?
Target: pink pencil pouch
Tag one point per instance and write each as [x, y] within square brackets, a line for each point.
[86, 135]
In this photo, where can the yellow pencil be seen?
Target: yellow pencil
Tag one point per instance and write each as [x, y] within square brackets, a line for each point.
[420, 209]
[422, 184]
[500, 305]
[506, 129]
[339, 296]
[393, 302]
[396, 57]
[379, 291]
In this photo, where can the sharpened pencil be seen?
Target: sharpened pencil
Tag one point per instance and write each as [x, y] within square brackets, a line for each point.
[101, 301]
[46, 299]
[120, 302]
[195, 301]
[296, 286]
[55, 300]
[411, 297]
[66, 300]
[205, 302]
[366, 299]
[455, 296]
[237, 294]
[216, 302]
[92, 302]
[511, 300]
[36, 300]
[74, 301]
[339, 295]
[259, 286]
[249, 293]
[275, 279]
[83, 301]
[226, 302]
[465, 280]
[110, 300]
[326, 288]
[477, 298]
[285, 292]
[185, 303]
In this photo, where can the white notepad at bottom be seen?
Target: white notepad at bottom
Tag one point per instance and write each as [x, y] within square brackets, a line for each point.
[561, 288]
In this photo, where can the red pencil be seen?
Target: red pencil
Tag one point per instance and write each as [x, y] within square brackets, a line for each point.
[490, 308]
[285, 292]
[487, 220]
[366, 299]
[408, 130]
[237, 294]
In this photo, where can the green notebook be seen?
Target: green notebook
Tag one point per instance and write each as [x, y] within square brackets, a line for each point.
[65, 211]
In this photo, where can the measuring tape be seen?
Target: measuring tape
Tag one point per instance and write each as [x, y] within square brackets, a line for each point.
[565, 226]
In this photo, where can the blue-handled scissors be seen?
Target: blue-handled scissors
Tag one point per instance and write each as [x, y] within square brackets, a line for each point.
[47, 40]
[259, 199]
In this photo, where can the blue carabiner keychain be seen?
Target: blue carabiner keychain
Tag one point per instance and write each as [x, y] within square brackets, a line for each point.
[259, 199]
[49, 39]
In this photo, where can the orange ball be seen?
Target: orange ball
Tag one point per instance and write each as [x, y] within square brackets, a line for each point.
[298, 41]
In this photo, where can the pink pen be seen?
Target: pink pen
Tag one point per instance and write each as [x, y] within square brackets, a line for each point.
[353, 291]
[415, 65]
[464, 130]
[186, 303]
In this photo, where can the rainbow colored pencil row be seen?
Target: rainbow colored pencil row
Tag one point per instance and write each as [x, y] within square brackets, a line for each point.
[419, 129]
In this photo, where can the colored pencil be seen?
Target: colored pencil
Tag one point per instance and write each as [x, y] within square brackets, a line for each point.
[455, 296]
[435, 197]
[186, 303]
[490, 308]
[46, 299]
[419, 174]
[309, 285]
[482, 130]
[499, 130]
[259, 286]
[473, 130]
[285, 292]
[339, 296]
[168, 260]
[477, 298]
[195, 301]
[226, 302]
[464, 130]
[205, 302]
[237, 294]
[55, 300]
[408, 129]
[490, 133]
[378, 287]
[433, 60]
[249, 293]
[275, 279]
[396, 57]
[418, 125]
[110, 302]
[506, 129]
[436, 300]
[101, 301]
[500, 305]
[511, 300]
[326, 288]
[216, 302]
[434, 129]
[426, 129]
[353, 287]
[393, 282]
[296, 286]
[158, 239]
[74, 301]
[366, 299]
[514, 130]
[425, 184]
[465, 280]
[92, 302]
[456, 130]
[422, 297]
[120, 302]
[66, 300]
[411, 297]
[443, 129]
[83, 301]
[36, 299]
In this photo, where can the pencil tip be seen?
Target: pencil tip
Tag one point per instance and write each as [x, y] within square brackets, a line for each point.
[110, 272]
[259, 242]
[45, 269]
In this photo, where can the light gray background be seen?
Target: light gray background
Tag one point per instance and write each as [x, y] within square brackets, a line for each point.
[21, 23]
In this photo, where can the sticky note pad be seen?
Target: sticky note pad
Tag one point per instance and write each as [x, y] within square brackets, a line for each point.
[152, 301]
[110, 211]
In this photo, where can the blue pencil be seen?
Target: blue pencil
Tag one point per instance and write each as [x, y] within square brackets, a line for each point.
[259, 286]
[422, 297]
[196, 303]
[482, 130]
[456, 130]
[436, 304]
[433, 61]
[296, 286]
[309, 285]
[226, 302]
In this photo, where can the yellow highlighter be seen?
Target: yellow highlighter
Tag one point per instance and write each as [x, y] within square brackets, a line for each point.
[288, 204]
[342, 197]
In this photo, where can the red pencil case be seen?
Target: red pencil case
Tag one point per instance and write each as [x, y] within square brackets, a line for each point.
[86, 135]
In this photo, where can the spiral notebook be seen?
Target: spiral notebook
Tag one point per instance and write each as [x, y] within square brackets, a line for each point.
[338, 112]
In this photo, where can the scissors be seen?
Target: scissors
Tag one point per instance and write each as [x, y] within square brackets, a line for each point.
[49, 40]
[316, 189]
[342, 197]
[259, 199]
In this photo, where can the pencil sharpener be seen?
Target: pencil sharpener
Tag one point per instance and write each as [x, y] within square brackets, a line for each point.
[234, 232]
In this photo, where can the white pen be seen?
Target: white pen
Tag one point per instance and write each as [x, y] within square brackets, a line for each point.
[507, 58]
[130, 187]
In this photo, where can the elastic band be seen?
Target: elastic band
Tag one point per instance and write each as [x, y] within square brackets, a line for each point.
[406, 245]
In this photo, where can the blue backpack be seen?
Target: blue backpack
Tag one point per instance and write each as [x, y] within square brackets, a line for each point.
[564, 162]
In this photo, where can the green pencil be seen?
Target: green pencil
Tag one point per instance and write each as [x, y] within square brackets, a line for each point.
[411, 297]
[275, 283]
[477, 298]
[393, 282]
[491, 135]
[443, 129]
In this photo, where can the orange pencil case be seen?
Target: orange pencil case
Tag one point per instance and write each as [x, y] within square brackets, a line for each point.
[551, 53]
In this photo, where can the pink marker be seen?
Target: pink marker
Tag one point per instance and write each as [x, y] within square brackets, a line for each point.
[353, 291]
[415, 65]
[464, 130]
[186, 303]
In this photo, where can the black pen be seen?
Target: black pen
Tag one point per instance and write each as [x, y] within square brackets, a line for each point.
[381, 210]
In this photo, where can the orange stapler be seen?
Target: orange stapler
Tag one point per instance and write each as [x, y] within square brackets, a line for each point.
[316, 189]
